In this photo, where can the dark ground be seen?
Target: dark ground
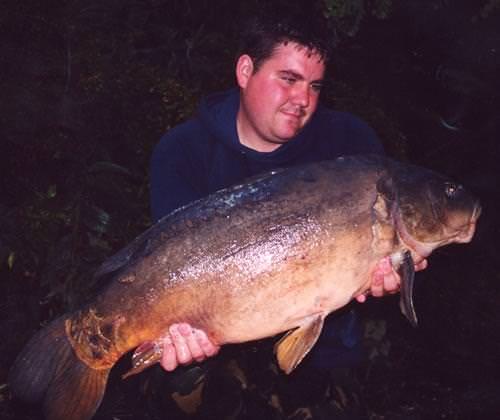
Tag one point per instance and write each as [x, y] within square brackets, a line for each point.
[88, 92]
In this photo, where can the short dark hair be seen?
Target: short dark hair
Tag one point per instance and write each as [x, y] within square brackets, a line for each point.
[262, 34]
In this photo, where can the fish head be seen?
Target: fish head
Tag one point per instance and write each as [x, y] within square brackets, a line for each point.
[431, 210]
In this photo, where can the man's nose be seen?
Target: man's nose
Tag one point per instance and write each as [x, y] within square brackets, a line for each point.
[301, 95]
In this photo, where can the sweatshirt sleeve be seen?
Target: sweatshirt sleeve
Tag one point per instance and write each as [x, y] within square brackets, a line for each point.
[172, 176]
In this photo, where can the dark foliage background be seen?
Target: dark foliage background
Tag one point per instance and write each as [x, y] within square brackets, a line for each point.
[88, 87]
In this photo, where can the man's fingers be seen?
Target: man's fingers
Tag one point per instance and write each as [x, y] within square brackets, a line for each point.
[384, 266]
[422, 265]
[384, 278]
[180, 344]
[169, 357]
[377, 286]
[184, 344]
[209, 349]
[361, 298]
[192, 342]
[391, 282]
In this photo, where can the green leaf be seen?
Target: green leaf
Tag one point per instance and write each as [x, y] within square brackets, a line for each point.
[10, 260]
[52, 191]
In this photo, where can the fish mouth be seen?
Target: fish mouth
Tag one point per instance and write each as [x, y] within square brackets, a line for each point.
[466, 233]
[421, 250]
[466, 236]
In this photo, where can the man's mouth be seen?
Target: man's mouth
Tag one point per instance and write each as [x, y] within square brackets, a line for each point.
[295, 112]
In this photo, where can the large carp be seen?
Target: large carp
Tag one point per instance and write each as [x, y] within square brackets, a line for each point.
[276, 254]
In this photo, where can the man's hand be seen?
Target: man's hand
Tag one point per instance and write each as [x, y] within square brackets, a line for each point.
[185, 344]
[385, 280]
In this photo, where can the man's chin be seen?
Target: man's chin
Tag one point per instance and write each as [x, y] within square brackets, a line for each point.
[287, 134]
[282, 139]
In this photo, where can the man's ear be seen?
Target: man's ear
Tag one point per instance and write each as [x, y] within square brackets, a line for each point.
[244, 69]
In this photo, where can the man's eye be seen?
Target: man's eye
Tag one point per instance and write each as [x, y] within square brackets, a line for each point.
[289, 80]
[316, 87]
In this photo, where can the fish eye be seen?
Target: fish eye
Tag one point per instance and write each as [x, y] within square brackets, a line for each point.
[451, 189]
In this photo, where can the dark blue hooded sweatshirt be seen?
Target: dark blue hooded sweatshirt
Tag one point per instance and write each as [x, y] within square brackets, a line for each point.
[204, 155]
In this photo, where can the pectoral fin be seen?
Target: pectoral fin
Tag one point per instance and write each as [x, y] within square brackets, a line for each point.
[407, 273]
[146, 355]
[294, 346]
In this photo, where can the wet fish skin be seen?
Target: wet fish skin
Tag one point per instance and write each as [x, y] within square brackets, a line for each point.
[275, 254]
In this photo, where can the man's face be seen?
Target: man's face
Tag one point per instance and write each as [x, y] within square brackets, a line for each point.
[280, 97]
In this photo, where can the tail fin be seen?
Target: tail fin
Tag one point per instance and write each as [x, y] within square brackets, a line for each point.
[48, 370]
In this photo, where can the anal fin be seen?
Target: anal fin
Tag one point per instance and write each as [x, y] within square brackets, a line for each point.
[293, 347]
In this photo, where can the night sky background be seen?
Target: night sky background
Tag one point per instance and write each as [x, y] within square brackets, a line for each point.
[88, 88]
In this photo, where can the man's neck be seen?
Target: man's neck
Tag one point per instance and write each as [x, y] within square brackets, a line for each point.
[252, 141]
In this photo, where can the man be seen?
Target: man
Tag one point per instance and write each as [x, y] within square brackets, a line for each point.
[272, 120]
